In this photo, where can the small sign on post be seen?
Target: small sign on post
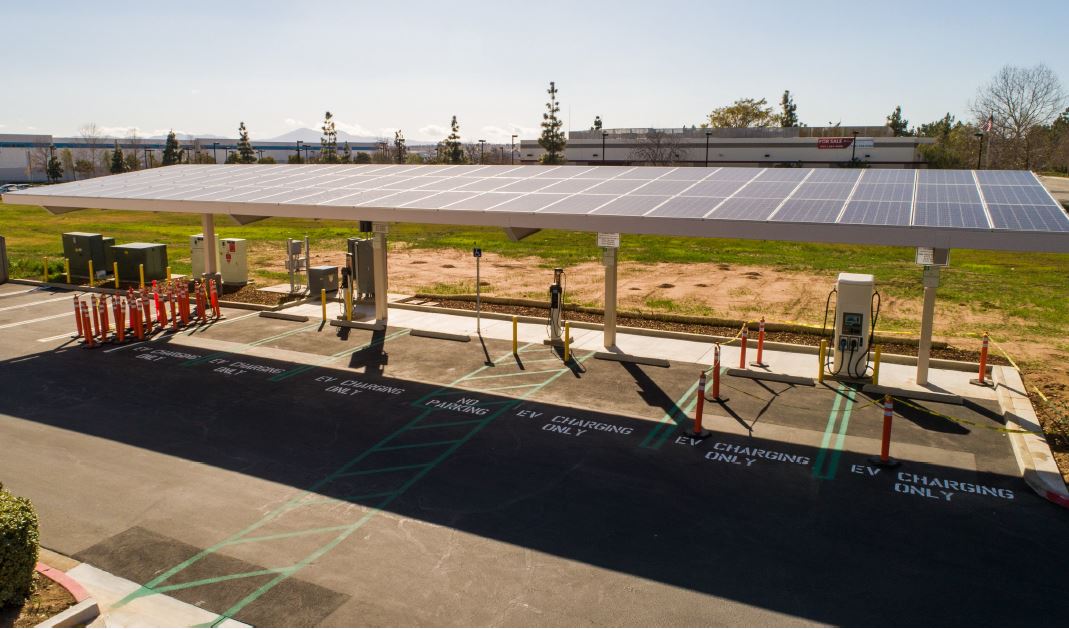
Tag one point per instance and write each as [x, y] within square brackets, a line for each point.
[609, 241]
[930, 256]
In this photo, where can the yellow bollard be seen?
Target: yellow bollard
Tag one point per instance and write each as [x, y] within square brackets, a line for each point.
[876, 366]
[141, 273]
[92, 274]
[168, 274]
[323, 298]
[515, 336]
[67, 269]
[567, 341]
[115, 270]
[820, 359]
[44, 274]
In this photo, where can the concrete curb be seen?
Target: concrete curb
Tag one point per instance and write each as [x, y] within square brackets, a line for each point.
[1034, 457]
[896, 359]
[82, 612]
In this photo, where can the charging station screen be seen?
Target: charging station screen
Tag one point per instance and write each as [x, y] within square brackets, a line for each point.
[852, 324]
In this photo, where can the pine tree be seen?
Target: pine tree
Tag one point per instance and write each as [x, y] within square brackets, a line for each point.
[328, 153]
[171, 152]
[346, 156]
[552, 140]
[118, 163]
[54, 170]
[400, 153]
[245, 154]
[597, 124]
[788, 111]
[454, 151]
[899, 125]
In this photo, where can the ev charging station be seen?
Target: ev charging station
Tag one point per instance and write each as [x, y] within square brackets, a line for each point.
[856, 310]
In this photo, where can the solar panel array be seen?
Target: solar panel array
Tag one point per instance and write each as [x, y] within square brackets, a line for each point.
[953, 199]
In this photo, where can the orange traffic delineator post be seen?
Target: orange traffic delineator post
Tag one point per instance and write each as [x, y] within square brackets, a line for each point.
[105, 325]
[698, 432]
[742, 347]
[715, 397]
[120, 325]
[96, 318]
[139, 329]
[88, 336]
[885, 460]
[760, 362]
[146, 317]
[982, 380]
[77, 318]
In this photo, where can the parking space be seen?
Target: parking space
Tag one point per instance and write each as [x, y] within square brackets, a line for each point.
[282, 472]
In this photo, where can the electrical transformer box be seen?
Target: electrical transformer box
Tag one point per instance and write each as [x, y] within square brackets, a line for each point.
[322, 278]
[233, 262]
[361, 260]
[131, 256]
[81, 248]
[196, 254]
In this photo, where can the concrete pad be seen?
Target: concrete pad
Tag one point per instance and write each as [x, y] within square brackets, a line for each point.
[156, 610]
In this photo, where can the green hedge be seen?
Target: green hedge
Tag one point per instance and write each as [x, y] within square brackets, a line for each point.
[18, 547]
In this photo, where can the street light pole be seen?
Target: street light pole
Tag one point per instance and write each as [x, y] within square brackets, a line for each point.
[604, 134]
[482, 145]
[853, 148]
[298, 151]
[145, 150]
[708, 133]
[215, 158]
[980, 155]
[512, 154]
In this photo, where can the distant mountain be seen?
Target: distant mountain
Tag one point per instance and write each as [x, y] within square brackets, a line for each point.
[311, 135]
[184, 136]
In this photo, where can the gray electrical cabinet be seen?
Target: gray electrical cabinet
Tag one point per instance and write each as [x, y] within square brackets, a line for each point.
[3, 260]
[362, 266]
[131, 256]
[81, 247]
[322, 278]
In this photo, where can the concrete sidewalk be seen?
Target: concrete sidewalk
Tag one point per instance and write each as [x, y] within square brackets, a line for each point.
[156, 610]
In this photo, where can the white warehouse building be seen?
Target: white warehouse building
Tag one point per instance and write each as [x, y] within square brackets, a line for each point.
[764, 147]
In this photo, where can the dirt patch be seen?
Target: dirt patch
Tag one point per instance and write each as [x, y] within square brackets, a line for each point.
[47, 600]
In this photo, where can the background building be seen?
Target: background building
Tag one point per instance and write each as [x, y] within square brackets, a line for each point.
[774, 146]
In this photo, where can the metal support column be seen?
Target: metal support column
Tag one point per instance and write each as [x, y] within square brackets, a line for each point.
[609, 260]
[379, 248]
[207, 222]
[931, 282]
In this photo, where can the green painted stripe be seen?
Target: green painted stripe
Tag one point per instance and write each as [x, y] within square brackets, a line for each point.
[296, 371]
[352, 498]
[681, 420]
[833, 462]
[212, 580]
[286, 535]
[444, 424]
[828, 430]
[429, 444]
[512, 386]
[510, 375]
[241, 349]
[382, 470]
[668, 421]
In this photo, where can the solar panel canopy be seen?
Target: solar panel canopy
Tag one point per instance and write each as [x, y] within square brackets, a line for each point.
[1008, 210]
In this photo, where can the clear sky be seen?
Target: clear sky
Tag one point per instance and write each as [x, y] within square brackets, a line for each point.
[201, 67]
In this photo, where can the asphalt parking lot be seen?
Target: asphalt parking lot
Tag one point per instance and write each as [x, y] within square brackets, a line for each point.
[287, 473]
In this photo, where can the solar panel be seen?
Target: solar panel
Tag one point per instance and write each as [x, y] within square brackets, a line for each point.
[810, 210]
[946, 214]
[687, 207]
[859, 212]
[961, 208]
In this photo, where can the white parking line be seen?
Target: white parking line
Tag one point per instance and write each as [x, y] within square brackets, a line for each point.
[20, 292]
[37, 303]
[29, 321]
[49, 339]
